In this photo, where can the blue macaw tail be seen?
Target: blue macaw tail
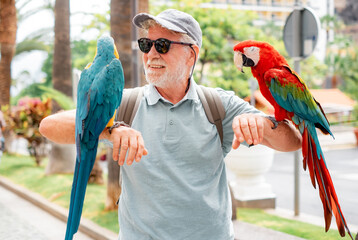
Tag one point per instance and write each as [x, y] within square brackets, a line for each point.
[82, 172]
[314, 159]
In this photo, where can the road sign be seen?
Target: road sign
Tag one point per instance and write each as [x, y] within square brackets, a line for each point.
[300, 33]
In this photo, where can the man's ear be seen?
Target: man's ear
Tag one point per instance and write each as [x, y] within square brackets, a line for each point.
[194, 56]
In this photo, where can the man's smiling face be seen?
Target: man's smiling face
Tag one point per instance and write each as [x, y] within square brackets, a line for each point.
[162, 70]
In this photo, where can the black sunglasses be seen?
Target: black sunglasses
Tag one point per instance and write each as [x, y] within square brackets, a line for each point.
[162, 45]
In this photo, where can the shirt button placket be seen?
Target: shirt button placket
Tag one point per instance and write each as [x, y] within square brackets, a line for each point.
[171, 125]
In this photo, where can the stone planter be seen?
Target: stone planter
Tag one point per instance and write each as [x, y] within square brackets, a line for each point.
[249, 185]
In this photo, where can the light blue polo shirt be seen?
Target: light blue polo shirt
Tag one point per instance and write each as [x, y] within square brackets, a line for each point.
[179, 190]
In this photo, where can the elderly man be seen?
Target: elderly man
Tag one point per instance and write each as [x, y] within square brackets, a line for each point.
[177, 187]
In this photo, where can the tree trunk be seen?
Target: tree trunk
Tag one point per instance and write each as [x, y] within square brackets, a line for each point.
[62, 69]
[8, 28]
[121, 27]
[61, 159]
[113, 185]
[96, 175]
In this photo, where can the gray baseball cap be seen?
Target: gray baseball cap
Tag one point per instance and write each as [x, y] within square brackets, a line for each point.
[174, 20]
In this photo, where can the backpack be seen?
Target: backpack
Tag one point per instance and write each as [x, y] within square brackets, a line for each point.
[209, 97]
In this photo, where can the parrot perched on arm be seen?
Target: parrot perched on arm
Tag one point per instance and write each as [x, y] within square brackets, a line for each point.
[292, 100]
[99, 94]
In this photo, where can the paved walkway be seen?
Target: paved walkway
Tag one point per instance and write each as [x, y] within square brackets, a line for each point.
[27, 215]
[20, 219]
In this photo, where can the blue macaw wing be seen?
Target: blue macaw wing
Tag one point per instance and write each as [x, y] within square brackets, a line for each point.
[105, 96]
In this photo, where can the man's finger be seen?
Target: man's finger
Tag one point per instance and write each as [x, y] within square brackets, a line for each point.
[237, 130]
[244, 126]
[123, 152]
[260, 128]
[235, 143]
[115, 152]
[133, 146]
[253, 130]
[141, 149]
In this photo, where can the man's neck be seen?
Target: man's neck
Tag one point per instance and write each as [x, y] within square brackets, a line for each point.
[175, 93]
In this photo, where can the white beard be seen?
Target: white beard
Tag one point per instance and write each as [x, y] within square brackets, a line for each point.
[167, 79]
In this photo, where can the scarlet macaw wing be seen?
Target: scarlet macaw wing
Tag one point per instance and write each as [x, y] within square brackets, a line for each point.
[292, 94]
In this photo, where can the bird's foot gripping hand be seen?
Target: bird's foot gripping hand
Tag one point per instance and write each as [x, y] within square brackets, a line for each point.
[117, 125]
[273, 120]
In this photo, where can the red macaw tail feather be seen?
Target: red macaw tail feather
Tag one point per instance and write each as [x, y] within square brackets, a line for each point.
[313, 158]
[307, 156]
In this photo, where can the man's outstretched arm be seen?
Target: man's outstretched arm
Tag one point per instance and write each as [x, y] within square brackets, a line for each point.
[60, 128]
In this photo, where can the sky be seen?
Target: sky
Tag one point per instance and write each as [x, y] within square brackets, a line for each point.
[32, 62]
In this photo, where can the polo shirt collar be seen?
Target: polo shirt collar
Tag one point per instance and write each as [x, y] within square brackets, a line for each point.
[153, 96]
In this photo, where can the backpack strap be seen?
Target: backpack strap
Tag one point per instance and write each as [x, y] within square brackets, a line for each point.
[214, 109]
[129, 105]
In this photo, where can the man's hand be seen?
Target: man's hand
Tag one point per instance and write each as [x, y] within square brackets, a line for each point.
[256, 129]
[126, 140]
[249, 128]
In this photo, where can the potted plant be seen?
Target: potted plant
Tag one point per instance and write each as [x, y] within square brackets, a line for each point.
[24, 119]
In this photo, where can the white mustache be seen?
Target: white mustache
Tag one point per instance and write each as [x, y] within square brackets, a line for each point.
[156, 63]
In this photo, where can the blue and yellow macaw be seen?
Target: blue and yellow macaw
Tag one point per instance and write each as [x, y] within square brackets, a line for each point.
[292, 100]
[99, 94]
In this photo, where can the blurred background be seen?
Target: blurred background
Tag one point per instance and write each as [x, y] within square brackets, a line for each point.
[45, 44]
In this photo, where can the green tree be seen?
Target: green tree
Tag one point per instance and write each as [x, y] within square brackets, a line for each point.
[222, 28]
[349, 71]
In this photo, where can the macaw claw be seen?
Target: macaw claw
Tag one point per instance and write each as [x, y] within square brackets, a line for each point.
[274, 121]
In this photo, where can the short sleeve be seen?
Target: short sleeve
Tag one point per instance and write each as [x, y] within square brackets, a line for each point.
[234, 106]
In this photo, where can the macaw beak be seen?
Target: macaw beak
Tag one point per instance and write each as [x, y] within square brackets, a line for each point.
[116, 52]
[238, 61]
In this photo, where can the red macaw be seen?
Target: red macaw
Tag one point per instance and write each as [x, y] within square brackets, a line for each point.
[292, 100]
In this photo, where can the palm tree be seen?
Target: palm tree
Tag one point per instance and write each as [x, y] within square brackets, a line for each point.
[62, 157]
[120, 23]
[62, 69]
[121, 31]
[8, 28]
